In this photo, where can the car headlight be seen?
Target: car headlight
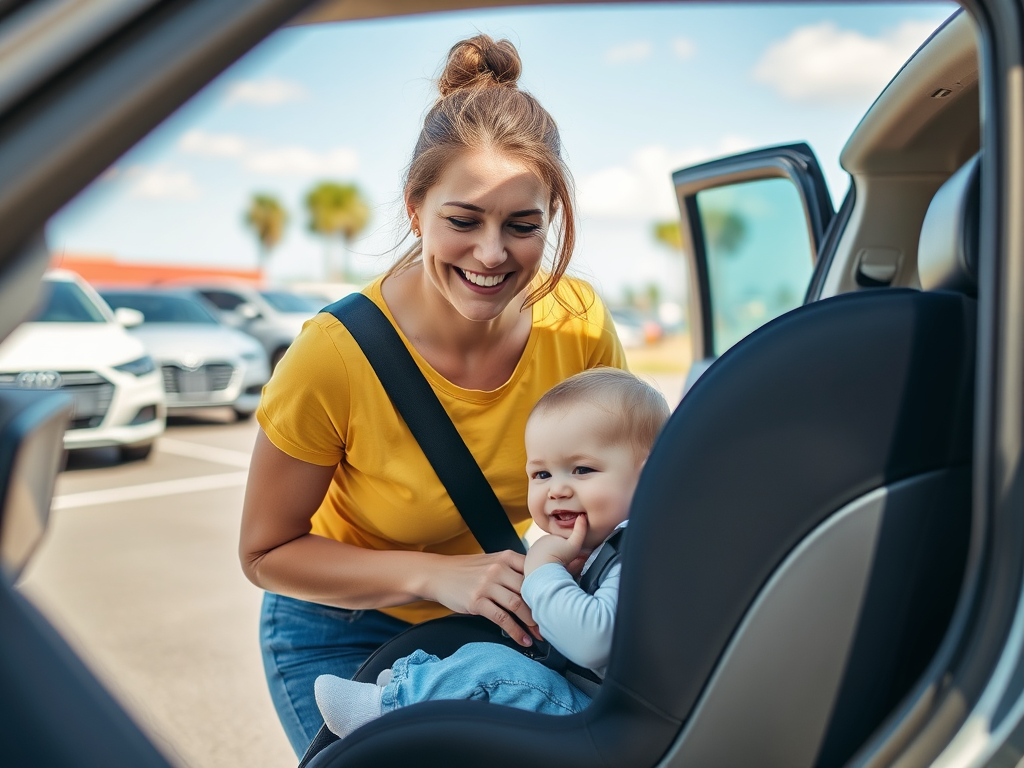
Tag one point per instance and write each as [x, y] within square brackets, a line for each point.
[139, 367]
[251, 355]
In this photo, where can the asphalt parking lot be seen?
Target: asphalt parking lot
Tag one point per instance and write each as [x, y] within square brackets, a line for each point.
[140, 574]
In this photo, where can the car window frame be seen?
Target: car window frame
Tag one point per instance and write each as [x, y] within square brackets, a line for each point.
[796, 163]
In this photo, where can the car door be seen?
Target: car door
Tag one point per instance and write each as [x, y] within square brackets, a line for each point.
[752, 228]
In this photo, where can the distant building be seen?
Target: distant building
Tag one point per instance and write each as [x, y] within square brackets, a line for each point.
[106, 270]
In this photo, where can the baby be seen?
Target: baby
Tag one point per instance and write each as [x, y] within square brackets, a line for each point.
[586, 441]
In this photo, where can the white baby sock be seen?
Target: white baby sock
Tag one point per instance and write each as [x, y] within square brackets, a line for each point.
[346, 704]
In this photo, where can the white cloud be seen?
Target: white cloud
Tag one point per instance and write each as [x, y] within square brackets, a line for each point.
[634, 51]
[160, 182]
[684, 48]
[257, 157]
[821, 63]
[642, 187]
[301, 161]
[196, 142]
[268, 92]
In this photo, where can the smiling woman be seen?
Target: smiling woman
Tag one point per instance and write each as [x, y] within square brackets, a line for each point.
[346, 525]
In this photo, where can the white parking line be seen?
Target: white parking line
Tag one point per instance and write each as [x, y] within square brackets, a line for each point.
[149, 490]
[204, 452]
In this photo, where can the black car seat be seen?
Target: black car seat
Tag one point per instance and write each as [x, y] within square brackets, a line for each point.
[796, 546]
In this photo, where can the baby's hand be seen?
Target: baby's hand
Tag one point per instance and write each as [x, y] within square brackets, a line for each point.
[555, 549]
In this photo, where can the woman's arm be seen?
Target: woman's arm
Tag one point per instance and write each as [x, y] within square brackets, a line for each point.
[279, 554]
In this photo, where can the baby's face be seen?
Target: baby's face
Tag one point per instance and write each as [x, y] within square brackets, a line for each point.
[574, 472]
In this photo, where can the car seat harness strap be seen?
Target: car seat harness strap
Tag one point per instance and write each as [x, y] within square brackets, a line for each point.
[608, 555]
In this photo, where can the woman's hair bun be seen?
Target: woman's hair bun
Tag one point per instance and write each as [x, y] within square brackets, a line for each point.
[479, 62]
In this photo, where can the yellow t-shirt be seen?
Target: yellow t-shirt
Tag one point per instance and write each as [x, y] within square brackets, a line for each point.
[324, 405]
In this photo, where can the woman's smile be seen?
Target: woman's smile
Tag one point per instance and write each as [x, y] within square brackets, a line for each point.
[483, 283]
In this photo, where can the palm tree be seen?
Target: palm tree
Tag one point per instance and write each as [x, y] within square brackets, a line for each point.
[267, 218]
[337, 213]
[668, 233]
[724, 231]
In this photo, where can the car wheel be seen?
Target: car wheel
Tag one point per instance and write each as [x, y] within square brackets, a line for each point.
[135, 452]
[276, 358]
[243, 415]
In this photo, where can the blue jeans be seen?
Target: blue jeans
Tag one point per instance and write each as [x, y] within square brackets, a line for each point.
[485, 672]
[302, 640]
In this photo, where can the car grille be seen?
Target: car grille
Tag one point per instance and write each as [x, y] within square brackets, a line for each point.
[90, 392]
[213, 377]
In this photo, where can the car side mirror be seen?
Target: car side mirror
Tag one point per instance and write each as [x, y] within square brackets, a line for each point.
[129, 318]
[32, 425]
[248, 311]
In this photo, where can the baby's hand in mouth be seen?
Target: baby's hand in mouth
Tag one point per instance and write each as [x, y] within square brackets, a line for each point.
[555, 549]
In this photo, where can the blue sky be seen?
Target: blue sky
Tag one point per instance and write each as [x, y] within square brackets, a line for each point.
[637, 91]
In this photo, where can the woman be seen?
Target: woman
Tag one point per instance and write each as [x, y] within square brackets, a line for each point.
[345, 523]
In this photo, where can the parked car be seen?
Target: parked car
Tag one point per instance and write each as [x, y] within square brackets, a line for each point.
[323, 293]
[293, 302]
[76, 345]
[274, 317]
[635, 329]
[832, 645]
[202, 362]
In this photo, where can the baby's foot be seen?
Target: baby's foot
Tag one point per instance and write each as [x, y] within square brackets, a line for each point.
[346, 704]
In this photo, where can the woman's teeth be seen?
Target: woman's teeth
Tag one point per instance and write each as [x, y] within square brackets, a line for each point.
[484, 281]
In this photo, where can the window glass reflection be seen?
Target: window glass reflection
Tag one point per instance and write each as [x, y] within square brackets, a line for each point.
[759, 255]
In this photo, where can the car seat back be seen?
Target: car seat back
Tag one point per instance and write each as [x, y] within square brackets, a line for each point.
[798, 538]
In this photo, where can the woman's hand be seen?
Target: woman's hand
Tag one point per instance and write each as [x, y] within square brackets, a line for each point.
[485, 585]
[278, 553]
[555, 549]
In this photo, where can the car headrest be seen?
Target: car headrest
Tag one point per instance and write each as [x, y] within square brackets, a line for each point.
[947, 253]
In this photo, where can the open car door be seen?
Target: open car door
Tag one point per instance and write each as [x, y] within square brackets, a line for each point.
[752, 229]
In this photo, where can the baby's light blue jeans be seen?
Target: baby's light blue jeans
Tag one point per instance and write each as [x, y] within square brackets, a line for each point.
[485, 672]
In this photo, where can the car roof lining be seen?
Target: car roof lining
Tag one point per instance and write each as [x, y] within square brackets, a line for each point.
[907, 144]
[909, 129]
[349, 10]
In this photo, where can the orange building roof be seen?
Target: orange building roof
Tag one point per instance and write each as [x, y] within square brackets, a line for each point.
[109, 271]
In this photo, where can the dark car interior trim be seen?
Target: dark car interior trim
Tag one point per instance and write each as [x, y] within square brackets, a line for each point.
[140, 73]
[829, 242]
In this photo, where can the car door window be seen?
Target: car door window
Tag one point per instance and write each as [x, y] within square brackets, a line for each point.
[68, 303]
[223, 299]
[759, 255]
[751, 227]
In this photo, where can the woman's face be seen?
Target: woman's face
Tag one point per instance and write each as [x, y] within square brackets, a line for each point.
[483, 226]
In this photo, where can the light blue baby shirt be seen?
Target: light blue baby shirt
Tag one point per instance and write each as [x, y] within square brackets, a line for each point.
[578, 625]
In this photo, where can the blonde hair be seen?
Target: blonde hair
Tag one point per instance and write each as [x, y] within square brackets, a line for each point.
[481, 107]
[638, 411]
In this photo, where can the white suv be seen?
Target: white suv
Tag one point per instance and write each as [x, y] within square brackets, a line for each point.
[76, 344]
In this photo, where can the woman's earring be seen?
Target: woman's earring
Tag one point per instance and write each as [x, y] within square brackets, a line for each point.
[416, 232]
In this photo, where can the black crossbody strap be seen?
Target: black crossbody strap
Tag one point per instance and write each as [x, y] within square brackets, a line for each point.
[417, 404]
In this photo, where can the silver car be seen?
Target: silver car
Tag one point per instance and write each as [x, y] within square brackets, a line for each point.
[275, 317]
[203, 362]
